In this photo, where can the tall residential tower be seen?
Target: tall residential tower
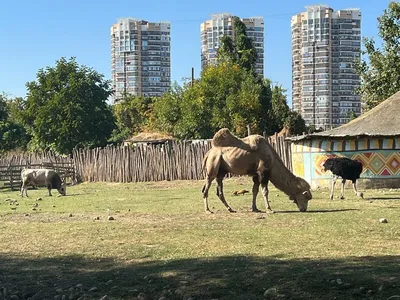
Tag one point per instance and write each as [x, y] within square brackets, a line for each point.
[222, 24]
[140, 58]
[325, 47]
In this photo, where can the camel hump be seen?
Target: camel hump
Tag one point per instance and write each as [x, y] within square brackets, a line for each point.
[224, 138]
[253, 141]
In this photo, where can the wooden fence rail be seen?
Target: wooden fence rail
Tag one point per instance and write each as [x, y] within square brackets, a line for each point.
[170, 161]
[11, 166]
[137, 163]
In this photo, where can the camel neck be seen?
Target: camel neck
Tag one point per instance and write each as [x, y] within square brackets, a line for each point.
[282, 178]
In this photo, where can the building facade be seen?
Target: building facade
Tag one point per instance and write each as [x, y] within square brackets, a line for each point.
[140, 58]
[222, 24]
[325, 46]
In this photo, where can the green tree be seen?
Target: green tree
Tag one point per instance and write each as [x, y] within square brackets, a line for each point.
[247, 54]
[195, 113]
[227, 50]
[266, 122]
[226, 95]
[3, 107]
[240, 50]
[132, 116]
[66, 108]
[167, 110]
[295, 123]
[279, 108]
[380, 70]
[243, 53]
[12, 134]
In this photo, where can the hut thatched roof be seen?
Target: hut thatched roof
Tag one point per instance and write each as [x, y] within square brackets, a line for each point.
[382, 120]
[150, 137]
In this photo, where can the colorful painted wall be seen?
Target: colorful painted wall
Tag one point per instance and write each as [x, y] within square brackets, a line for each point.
[380, 158]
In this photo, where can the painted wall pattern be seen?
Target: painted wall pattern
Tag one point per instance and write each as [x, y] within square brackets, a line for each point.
[380, 156]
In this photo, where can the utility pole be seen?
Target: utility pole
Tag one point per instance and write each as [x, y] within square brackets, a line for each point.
[192, 82]
[314, 85]
[125, 78]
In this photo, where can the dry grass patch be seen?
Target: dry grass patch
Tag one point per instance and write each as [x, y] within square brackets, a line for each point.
[162, 243]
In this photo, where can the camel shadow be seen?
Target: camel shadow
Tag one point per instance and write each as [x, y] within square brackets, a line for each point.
[315, 211]
[383, 198]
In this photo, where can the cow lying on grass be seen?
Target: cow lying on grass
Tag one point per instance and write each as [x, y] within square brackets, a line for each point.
[47, 177]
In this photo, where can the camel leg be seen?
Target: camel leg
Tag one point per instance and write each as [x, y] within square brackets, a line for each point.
[264, 190]
[333, 186]
[342, 189]
[211, 165]
[220, 193]
[359, 194]
[256, 187]
[205, 189]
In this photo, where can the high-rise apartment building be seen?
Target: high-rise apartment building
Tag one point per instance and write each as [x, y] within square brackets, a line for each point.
[222, 24]
[325, 46]
[140, 58]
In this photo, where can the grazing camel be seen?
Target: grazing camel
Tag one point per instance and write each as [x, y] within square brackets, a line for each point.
[252, 156]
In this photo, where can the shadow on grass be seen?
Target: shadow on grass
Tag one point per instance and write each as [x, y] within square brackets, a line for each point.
[314, 211]
[228, 277]
[383, 198]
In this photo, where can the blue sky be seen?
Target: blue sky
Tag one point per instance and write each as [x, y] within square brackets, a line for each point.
[37, 33]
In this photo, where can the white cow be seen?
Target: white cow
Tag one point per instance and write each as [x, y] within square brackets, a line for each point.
[47, 177]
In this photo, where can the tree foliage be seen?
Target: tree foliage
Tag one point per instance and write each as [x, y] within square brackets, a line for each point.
[167, 110]
[12, 133]
[295, 123]
[3, 108]
[279, 109]
[226, 95]
[133, 115]
[241, 50]
[66, 108]
[380, 71]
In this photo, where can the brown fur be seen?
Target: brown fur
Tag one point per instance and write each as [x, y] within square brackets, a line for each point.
[252, 156]
[224, 138]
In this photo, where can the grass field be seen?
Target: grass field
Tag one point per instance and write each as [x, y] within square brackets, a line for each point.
[161, 245]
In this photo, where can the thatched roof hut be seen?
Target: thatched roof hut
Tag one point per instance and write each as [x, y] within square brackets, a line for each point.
[373, 138]
[149, 138]
[381, 121]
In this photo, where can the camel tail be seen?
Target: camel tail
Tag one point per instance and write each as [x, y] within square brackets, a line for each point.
[203, 165]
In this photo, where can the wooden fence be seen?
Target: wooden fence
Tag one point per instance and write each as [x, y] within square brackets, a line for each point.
[11, 166]
[138, 163]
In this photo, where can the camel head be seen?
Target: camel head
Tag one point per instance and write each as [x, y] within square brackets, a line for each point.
[302, 197]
